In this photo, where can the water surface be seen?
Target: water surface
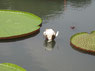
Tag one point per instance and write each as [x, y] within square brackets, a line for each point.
[33, 53]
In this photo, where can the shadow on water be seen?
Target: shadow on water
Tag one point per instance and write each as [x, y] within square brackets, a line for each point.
[49, 45]
[83, 51]
[20, 38]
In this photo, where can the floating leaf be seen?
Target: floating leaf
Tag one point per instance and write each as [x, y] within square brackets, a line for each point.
[10, 67]
[84, 41]
[16, 24]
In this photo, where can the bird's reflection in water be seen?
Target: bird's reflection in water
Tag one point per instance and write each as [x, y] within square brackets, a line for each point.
[49, 45]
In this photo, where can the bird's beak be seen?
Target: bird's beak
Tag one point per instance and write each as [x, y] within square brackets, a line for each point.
[57, 33]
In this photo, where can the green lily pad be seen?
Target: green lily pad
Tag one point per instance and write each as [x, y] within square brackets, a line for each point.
[84, 41]
[10, 67]
[16, 23]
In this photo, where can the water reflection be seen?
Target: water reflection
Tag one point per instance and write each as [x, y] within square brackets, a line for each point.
[42, 8]
[79, 3]
[49, 45]
[7, 4]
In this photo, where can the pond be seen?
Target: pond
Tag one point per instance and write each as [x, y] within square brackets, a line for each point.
[33, 53]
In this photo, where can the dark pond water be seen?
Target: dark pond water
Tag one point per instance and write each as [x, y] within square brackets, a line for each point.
[33, 54]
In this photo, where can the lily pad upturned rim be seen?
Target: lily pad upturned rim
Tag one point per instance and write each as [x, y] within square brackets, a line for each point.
[20, 36]
[26, 34]
[74, 46]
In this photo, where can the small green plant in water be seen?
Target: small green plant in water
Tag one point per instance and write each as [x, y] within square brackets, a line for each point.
[10, 67]
[84, 41]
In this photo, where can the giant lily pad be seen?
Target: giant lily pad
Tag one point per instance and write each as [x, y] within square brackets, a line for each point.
[84, 41]
[10, 67]
[16, 24]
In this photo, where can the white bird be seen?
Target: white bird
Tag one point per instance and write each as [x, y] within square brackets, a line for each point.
[50, 34]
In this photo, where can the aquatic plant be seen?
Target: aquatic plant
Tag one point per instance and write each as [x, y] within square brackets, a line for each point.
[10, 67]
[84, 41]
[15, 24]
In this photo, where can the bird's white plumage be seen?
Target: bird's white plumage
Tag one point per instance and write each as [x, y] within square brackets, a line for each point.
[48, 33]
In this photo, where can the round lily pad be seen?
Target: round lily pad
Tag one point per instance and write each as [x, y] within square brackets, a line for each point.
[84, 41]
[16, 24]
[10, 67]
